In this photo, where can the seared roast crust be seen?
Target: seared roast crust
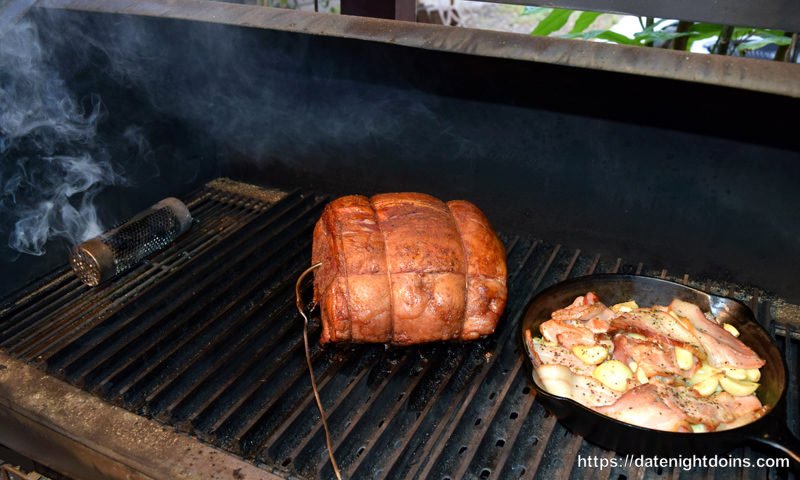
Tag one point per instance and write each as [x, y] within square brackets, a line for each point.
[406, 268]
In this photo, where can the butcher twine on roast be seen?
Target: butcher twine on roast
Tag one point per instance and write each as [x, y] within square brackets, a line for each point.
[406, 268]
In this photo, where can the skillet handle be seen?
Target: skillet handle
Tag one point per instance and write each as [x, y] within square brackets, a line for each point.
[780, 438]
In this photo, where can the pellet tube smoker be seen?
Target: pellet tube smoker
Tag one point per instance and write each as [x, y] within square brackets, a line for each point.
[117, 250]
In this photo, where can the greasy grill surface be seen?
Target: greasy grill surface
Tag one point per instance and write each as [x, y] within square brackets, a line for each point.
[205, 337]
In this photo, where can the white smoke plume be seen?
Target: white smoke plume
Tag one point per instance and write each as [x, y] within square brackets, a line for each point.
[51, 168]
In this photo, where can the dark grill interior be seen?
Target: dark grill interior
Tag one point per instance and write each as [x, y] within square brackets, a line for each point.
[205, 337]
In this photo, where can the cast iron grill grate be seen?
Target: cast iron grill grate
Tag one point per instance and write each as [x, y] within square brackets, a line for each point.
[204, 337]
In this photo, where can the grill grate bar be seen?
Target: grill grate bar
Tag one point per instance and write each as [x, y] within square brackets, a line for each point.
[223, 360]
[454, 419]
[488, 412]
[130, 373]
[428, 428]
[368, 409]
[581, 265]
[398, 423]
[351, 443]
[88, 304]
[225, 346]
[222, 417]
[20, 321]
[543, 423]
[176, 382]
[300, 418]
[392, 425]
[342, 415]
[33, 295]
[357, 448]
[118, 369]
[155, 305]
[337, 419]
[100, 304]
[207, 300]
[55, 304]
[197, 402]
[270, 395]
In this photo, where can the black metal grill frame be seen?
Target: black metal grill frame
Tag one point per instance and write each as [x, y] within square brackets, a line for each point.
[204, 337]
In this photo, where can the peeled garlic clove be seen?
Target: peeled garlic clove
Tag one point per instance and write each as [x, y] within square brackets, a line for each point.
[641, 376]
[613, 374]
[731, 329]
[683, 358]
[705, 371]
[625, 307]
[699, 428]
[737, 388]
[556, 379]
[735, 373]
[753, 374]
[708, 386]
[590, 354]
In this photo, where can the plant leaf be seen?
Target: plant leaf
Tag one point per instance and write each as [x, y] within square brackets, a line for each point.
[584, 20]
[705, 30]
[757, 43]
[658, 36]
[769, 33]
[702, 31]
[616, 38]
[607, 35]
[533, 10]
[652, 28]
[555, 21]
[740, 32]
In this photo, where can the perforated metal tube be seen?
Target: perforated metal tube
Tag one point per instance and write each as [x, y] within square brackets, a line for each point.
[101, 258]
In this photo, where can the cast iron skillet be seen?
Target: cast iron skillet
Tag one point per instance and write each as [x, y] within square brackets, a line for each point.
[622, 437]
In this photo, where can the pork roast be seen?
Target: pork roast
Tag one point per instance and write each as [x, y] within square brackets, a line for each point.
[406, 268]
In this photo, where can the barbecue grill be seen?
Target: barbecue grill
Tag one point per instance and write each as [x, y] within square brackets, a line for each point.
[191, 364]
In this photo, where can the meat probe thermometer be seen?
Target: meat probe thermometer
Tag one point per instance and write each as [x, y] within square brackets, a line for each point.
[312, 305]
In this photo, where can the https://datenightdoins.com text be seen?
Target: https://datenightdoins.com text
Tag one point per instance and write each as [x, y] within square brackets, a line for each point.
[685, 463]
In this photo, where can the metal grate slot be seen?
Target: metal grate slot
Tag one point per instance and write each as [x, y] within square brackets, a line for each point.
[70, 314]
[204, 336]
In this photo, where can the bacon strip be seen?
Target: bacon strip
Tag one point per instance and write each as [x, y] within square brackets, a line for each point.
[664, 403]
[660, 327]
[653, 357]
[724, 350]
[645, 407]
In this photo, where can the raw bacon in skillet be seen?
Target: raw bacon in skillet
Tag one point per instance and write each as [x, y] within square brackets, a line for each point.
[660, 326]
[670, 367]
[567, 335]
[644, 406]
[561, 381]
[655, 358]
[554, 354]
[724, 350]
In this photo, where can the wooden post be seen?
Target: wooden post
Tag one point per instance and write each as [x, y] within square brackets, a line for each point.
[394, 9]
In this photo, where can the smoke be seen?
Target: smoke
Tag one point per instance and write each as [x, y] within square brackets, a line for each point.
[178, 104]
[51, 166]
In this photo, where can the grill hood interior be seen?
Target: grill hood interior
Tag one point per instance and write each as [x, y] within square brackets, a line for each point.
[679, 173]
